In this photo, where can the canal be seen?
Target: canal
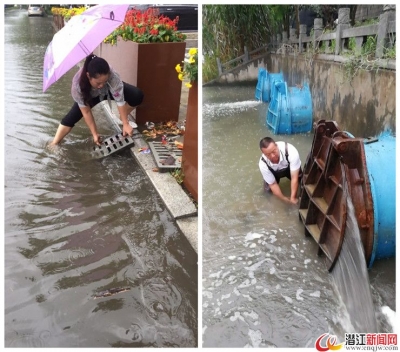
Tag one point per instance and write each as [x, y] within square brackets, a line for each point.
[263, 284]
[76, 227]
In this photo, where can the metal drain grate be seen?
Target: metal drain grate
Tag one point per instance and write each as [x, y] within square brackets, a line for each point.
[161, 153]
[111, 145]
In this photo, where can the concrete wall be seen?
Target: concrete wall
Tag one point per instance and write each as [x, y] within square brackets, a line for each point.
[243, 73]
[364, 106]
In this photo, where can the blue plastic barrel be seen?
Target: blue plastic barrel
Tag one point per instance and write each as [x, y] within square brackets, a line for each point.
[264, 84]
[290, 109]
[381, 164]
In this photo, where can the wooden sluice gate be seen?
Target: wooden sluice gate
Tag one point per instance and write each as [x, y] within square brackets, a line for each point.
[368, 168]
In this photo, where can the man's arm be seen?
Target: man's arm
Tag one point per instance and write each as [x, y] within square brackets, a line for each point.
[276, 191]
[294, 186]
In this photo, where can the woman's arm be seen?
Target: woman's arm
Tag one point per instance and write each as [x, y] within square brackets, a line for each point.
[89, 119]
[123, 113]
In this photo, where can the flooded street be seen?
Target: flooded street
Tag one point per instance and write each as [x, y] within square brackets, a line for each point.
[77, 227]
[263, 284]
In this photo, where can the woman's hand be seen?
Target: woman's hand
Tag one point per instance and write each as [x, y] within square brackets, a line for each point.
[127, 130]
[96, 139]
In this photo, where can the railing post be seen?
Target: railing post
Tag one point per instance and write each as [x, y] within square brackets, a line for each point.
[284, 37]
[343, 23]
[293, 37]
[246, 55]
[318, 30]
[219, 66]
[279, 39]
[388, 14]
[292, 33]
[284, 42]
[303, 34]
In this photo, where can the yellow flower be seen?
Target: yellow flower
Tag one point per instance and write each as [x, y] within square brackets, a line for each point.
[187, 70]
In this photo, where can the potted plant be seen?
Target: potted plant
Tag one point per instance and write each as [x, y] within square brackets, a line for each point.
[58, 17]
[188, 72]
[62, 15]
[144, 50]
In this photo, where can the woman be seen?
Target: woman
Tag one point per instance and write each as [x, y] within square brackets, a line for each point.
[91, 84]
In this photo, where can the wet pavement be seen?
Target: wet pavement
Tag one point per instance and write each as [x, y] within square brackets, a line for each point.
[175, 198]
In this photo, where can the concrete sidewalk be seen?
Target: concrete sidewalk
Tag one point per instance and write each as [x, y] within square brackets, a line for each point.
[175, 198]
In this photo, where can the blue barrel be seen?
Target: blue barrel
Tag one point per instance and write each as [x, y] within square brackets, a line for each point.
[381, 164]
[265, 83]
[290, 109]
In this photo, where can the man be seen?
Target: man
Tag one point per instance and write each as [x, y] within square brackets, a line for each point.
[280, 159]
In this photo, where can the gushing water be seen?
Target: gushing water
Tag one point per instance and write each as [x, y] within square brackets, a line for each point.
[351, 277]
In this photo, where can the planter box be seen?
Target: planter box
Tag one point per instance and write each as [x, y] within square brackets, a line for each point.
[190, 147]
[150, 67]
[58, 21]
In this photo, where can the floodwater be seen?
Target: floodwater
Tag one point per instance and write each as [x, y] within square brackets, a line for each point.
[263, 284]
[75, 227]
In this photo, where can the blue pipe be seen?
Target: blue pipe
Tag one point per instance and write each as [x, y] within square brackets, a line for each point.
[381, 165]
[265, 83]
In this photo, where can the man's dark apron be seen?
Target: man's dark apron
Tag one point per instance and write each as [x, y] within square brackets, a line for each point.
[281, 173]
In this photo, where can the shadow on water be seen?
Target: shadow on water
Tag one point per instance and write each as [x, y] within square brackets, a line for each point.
[75, 227]
[263, 282]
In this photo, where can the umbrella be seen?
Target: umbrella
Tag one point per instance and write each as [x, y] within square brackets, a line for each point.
[78, 38]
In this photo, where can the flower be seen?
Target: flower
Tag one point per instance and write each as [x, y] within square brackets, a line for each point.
[189, 68]
[147, 27]
[67, 13]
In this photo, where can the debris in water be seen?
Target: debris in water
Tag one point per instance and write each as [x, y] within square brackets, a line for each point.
[111, 292]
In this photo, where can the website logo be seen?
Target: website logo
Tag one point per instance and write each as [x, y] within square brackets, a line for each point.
[329, 344]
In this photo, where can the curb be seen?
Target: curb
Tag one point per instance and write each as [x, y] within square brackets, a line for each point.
[174, 197]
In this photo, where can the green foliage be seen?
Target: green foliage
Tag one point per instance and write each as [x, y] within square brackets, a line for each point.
[369, 47]
[210, 68]
[188, 69]
[227, 29]
[333, 45]
[363, 60]
[390, 53]
[146, 27]
[178, 175]
[367, 22]
[352, 45]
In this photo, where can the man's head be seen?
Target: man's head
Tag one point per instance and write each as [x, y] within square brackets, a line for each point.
[270, 149]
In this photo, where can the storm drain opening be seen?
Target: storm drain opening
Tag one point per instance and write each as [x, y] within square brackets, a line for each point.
[112, 145]
[167, 156]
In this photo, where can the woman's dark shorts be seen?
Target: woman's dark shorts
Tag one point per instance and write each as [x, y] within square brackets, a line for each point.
[133, 96]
